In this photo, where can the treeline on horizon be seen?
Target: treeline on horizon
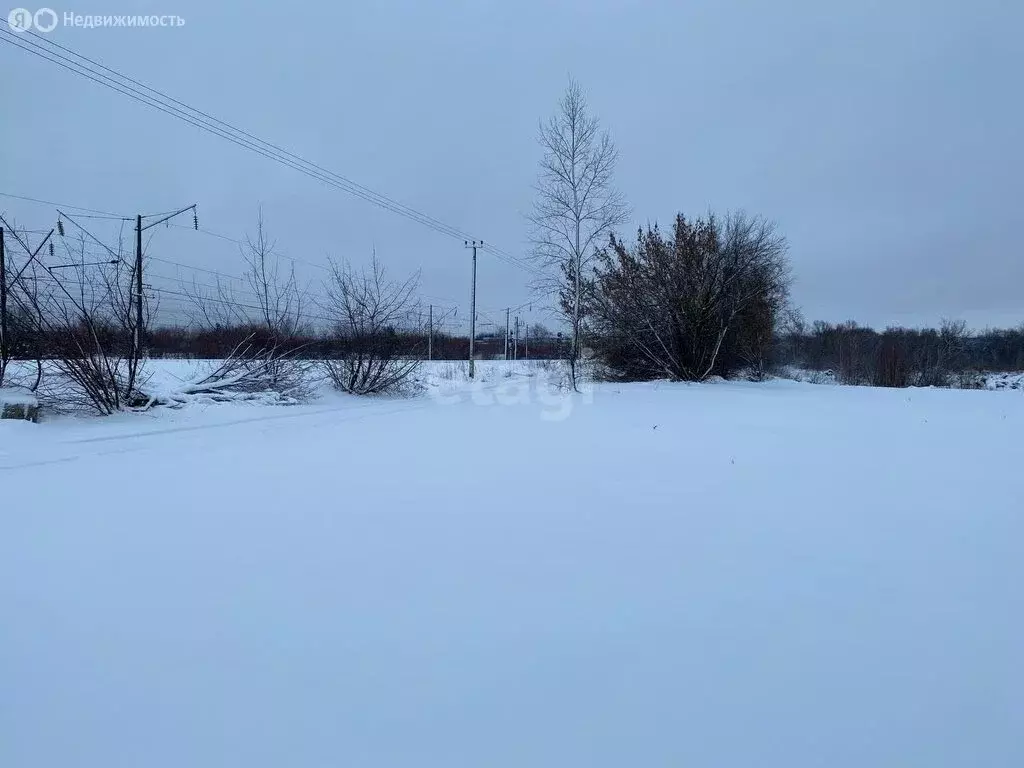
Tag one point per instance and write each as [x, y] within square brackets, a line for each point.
[949, 355]
[216, 343]
[856, 354]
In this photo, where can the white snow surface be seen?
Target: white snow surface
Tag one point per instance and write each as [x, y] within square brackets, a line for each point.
[15, 396]
[728, 574]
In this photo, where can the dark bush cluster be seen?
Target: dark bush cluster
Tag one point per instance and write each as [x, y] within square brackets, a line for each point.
[702, 300]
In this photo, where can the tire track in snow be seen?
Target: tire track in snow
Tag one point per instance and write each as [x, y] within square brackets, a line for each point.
[362, 412]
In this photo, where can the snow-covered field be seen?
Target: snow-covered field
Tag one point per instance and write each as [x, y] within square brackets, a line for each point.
[728, 574]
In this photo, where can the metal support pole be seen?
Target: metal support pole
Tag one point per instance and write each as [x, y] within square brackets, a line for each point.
[138, 286]
[3, 303]
[472, 309]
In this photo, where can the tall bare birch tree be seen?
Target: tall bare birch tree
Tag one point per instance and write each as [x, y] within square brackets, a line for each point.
[576, 207]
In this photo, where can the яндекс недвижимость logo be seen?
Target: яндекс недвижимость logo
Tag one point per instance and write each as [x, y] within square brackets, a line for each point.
[23, 20]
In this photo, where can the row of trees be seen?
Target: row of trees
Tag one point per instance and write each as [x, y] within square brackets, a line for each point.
[199, 342]
[897, 357]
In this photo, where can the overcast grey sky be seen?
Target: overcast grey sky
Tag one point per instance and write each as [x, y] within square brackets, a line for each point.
[883, 137]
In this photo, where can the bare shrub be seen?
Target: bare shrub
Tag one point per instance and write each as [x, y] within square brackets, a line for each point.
[453, 371]
[820, 377]
[21, 330]
[81, 317]
[371, 316]
[969, 380]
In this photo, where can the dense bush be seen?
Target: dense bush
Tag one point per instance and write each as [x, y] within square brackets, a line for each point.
[701, 301]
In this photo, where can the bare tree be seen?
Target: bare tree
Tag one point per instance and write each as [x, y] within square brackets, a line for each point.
[281, 302]
[372, 317]
[897, 357]
[85, 317]
[5, 337]
[81, 320]
[264, 326]
[22, 337]
[272, 296]
[82, 312]
[245, 373]
[576, 207]
[216, 307]
[277, 293]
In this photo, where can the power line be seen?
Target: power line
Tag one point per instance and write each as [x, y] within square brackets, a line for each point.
[437, 299]
[245, 242]
[99, 214]
[240, 284]
[248, 135]
[95, 290]
[228, 238]
[164, 103]
[220, 236]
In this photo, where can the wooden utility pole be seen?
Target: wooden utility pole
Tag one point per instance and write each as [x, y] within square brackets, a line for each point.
[138, 285]
[430, 332]
[139, 314]
[3, 305]
[474, 244]
[507, 311]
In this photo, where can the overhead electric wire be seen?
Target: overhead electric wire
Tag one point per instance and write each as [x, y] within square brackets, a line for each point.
[94, 290]
[211, 119]
[271, 251]
[240, 284]
[100, 214]
[218, 127]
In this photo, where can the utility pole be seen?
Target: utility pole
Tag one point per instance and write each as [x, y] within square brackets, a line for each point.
[515, 345]
[3, 305]
[507, 310]
[526, 332]
[430, 332]
[472, 305]
[139, 319]
[138, 285]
